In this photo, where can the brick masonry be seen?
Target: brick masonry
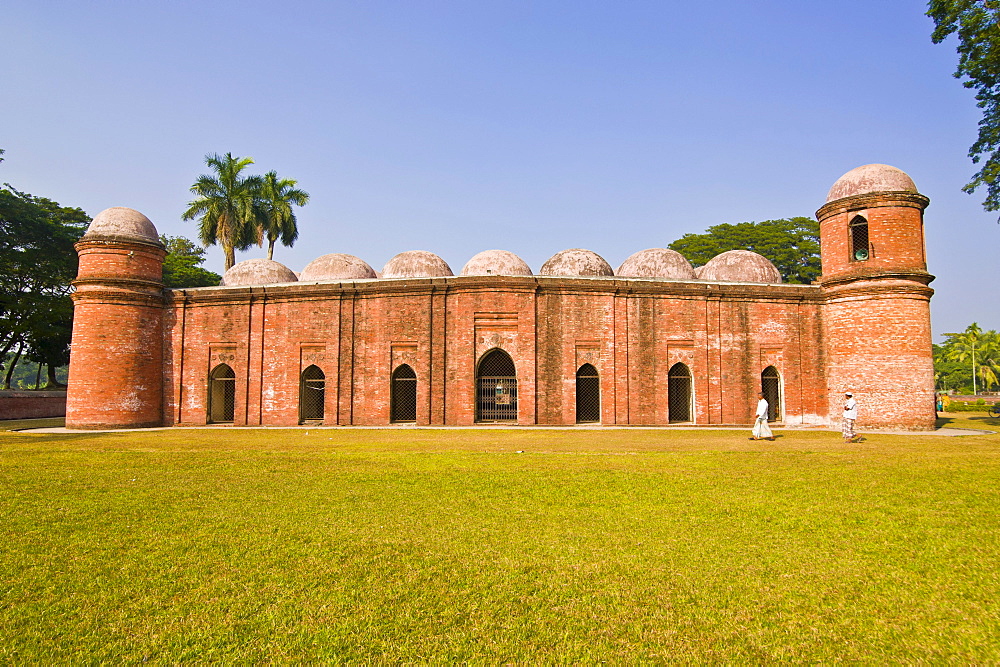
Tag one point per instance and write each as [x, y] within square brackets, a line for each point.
[143, 355]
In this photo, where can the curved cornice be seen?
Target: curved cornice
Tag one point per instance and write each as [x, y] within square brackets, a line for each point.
[873, 200]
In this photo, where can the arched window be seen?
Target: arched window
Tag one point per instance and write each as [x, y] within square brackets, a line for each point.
[403, 401]
[679, 387]
[312, 394]
[588, 395]
[770, 386]
[859, 239]
[221, 395]
[496, 388]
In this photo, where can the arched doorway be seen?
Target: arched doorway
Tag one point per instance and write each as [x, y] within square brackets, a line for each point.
[221, 395]
[770, 386]
[679, 394]
[312, 394]
[403, 400]
[588, 395]
[496, 388]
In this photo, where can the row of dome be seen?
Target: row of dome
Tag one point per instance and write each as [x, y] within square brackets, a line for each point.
[732, 266]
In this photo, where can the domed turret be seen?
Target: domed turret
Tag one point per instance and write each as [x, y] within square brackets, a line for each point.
[117, 359]
[742, 266]
[576, 262]
[258, 272]
[416, 264]
[657, 263]
[337, 266]
[875, 270]
[871, 178]
[122, 224]
[496, 263]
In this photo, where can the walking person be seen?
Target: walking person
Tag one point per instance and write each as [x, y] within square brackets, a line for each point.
[760, 428]
[850, 415]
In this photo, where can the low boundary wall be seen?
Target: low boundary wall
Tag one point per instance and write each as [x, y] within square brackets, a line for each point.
[32, 404]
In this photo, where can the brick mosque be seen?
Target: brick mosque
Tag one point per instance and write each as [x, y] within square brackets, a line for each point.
[656, 342]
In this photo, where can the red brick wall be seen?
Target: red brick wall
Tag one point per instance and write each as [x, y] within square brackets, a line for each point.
[631, 331]
[32, 404]
[865, 327]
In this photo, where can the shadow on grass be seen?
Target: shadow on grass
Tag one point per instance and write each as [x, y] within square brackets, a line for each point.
[19, 424]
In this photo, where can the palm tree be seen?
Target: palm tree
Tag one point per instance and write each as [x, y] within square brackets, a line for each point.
[227, 205]
[981, 348]
[278, 221]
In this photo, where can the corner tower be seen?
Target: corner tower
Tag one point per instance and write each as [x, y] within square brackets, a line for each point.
[876, 315]
[116, 359]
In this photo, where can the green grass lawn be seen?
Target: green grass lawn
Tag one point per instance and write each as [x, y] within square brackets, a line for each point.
[448, 545]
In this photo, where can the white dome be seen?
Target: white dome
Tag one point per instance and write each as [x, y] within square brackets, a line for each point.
[258, 272]
[120, 223]
[741, 266]
[496, 263]
[576, 262]
[871, 178]
[657, 263]
[337, 266]
[416, 264]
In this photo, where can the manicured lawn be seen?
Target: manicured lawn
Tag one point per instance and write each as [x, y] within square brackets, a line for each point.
[447, 545]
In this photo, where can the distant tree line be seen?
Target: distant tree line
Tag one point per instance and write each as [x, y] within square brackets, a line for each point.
[962, 352]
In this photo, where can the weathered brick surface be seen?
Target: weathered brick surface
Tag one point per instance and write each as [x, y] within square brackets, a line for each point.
[143, 356]
[632, 331]
[116, 360]
[876, 320]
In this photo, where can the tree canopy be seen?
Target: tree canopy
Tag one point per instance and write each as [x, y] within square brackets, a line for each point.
[182, 265]
[961, 352]
[277, 195]
[237, 211]
[37, 265]
[792, 245]
[976, 23]
[226, 205]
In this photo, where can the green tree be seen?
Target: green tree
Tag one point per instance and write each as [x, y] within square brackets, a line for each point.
[976, 23]
[37, 265]
[181, 266]
[971, 350]
[792, 245]
[277, 196]
[227, 205]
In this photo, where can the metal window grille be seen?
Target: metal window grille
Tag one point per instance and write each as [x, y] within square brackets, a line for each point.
[496, 388]
[221, 395]
[679, 394]
[403, 401]
[588, 395]
[312, 394]
[770, 386]
[859, 239]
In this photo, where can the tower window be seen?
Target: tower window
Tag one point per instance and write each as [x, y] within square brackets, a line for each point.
[859, 239]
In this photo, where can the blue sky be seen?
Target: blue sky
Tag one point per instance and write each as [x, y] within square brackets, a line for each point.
[533, 127]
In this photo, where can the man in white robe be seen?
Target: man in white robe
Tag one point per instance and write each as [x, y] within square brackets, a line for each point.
[760, 428]
[850, 416]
